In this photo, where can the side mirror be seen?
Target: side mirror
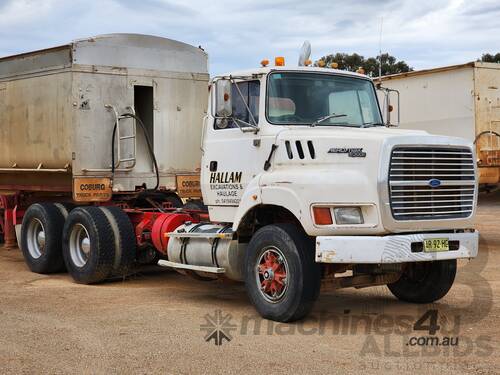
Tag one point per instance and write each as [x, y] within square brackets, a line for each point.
[223, 102]
[387, 108]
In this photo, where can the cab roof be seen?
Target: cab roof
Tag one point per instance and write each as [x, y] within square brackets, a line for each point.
[269, 69]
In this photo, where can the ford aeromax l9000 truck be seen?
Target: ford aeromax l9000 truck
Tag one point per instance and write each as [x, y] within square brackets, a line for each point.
[298, 185]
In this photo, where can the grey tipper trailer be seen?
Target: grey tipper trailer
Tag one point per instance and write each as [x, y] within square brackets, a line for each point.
[58, 108]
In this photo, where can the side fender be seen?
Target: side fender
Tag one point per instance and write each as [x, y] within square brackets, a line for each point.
[271, 195]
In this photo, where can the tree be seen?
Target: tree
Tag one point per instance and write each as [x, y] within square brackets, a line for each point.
[345, 61]
[487, 57]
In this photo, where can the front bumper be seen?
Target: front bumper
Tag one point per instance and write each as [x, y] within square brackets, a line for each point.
[391, 248]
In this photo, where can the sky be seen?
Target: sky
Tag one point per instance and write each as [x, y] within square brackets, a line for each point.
[238, 34]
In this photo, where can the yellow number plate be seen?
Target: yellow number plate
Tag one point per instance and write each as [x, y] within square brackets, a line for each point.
[436, 244]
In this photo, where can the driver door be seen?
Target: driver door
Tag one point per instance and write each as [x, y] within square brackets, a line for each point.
[231, 157]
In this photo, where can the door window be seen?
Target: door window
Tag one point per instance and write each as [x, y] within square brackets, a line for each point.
[249, 97]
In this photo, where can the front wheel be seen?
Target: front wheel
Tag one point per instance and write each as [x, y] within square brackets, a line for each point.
[281, 276]
[425, 282]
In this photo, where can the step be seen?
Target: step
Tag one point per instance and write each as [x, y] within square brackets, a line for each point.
[166, 263]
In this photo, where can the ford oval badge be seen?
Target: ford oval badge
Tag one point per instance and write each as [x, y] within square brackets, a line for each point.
[434, 182]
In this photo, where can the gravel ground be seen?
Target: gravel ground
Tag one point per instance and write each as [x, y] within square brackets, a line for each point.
[153, 323]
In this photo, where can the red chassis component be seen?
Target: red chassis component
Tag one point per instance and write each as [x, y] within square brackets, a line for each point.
[151, 227]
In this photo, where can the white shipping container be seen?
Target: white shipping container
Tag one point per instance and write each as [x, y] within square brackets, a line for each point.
[459, 100]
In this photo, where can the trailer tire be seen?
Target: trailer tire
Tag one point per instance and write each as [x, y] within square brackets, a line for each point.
[65, 208]
[287, 249]
[124, 237]
[425, 282]
[41, 234]
[88, 245]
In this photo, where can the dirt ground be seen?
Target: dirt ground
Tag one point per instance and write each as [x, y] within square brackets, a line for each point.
[155, 323]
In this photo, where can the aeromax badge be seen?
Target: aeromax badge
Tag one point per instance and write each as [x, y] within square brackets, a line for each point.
[351, 152]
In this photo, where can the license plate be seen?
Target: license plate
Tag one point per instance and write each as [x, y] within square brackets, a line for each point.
[436, 244]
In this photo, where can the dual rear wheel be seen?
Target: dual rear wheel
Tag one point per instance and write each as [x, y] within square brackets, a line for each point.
[92, 243]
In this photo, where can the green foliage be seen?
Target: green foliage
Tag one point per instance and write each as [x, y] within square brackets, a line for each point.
[352, 62]
[487, 57]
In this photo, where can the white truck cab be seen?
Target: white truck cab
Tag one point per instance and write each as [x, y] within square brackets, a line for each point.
[303, 152]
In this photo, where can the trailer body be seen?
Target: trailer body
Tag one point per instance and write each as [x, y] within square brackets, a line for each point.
[57, 114]
[460, 100]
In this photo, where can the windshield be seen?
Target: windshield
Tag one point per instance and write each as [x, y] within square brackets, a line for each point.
[296, 98]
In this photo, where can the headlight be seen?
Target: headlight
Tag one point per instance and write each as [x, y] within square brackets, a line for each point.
[348, 215]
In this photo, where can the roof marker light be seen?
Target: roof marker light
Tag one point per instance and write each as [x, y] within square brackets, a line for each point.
[279, 61]
[264, 63]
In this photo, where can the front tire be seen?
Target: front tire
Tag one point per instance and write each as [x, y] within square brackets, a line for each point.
[281, 276]
[41, 234]
[425, 282]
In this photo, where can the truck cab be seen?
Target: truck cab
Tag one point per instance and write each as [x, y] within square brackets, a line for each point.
[302, 154]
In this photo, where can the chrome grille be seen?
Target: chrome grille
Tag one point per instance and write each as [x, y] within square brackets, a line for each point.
[414, 169]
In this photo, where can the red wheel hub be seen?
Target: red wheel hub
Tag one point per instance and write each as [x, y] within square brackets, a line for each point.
[272, 273]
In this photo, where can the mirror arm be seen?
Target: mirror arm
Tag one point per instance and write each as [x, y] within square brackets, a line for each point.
[247, 129]
[255, 126]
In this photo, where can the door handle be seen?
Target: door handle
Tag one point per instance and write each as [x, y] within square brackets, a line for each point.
[213, 166]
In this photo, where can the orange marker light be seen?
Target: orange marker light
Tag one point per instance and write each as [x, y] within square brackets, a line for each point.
[321, 63]
[226, 97]
[334, 65]
[322, 215]
[264, 62]
[279, 61]
[307, 62]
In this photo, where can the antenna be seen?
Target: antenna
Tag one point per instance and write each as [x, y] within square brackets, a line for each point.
[380, 50]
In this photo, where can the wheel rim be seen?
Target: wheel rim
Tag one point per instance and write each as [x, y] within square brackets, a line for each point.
[272, 274]
[79, 245]
[36, 238]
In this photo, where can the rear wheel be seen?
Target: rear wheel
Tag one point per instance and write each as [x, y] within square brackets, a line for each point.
[281, 276]
[41, 233]
[425, 282]
[88, 245]
[125, 246]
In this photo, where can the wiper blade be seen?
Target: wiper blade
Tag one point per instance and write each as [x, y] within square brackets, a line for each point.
[372, 124]
[324, 118]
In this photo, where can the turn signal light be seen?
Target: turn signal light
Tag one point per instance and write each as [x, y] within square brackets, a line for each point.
[279, 61]
[322, 215]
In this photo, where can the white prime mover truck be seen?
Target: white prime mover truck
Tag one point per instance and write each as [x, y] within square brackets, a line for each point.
[289, 180]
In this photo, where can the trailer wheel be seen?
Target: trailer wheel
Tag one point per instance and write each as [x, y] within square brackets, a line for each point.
[88, 245]
[41, 234]
[65, 208]
[281, 276]
[425, 282]
[124, 236]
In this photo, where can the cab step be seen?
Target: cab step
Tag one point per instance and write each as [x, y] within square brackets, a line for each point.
[166, 263]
